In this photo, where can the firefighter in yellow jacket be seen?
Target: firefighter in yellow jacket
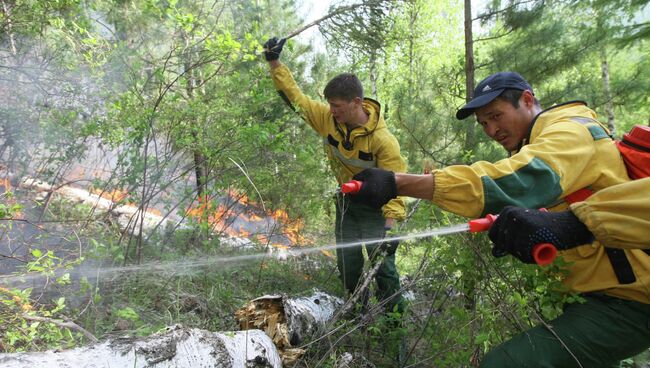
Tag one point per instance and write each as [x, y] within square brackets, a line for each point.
[553, 154]
[355, 137]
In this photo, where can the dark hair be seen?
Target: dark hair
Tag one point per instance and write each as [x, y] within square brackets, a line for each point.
[512, 96]
[346, 86]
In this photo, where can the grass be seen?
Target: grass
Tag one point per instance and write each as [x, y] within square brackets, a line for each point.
[207, 296]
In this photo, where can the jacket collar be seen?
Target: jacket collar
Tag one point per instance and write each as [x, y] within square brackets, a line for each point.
[526, 140]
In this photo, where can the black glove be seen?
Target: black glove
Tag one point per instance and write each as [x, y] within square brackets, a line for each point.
[378, 187]
[518, 230]
[273, 48]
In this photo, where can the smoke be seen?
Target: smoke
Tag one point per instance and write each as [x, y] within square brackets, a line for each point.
[65, 119]
[44, 104]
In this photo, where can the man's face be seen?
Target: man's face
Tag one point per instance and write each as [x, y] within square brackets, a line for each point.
[504, 123]
[342, 109]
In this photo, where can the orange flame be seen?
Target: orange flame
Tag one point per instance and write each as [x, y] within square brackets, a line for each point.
[254, 217]
[7, 184]
[327, 253]
[205, 205]
[120, 196]
[221, 219]
[114, 195]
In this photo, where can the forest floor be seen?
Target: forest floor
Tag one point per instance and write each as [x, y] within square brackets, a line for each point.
[194, 280]
[183, 278]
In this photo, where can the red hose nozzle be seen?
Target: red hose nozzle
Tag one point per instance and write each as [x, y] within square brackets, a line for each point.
[482, 224]
[351, 187]
[543, 253]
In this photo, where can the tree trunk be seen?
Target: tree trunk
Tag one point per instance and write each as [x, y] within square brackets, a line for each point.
[6, 9]
[199, 170]
[413, 15]
[176, 347]
[199, 160]
[373, 74]
[289, 321]
[469, 71]
[471, 280]
[469, 136]
[609, 106]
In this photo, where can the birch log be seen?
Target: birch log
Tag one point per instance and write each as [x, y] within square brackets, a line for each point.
[289, 321]
[177, 347]
[127, 217]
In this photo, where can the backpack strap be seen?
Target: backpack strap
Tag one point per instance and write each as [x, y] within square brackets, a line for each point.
[621, 265]
[617, 257]
[578, 196]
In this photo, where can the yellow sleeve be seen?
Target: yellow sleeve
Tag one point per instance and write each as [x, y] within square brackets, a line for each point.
[559, 161]
[316, 113]
[619, 216]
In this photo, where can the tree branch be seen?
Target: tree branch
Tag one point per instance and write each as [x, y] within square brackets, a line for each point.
[336, 12]
[499, 11]
[63, 324]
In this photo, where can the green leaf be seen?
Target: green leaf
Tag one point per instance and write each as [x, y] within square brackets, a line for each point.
[128, 313]
[64, 280]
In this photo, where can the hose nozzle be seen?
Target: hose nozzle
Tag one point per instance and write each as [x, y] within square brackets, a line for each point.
[543, 253]
[351, 187]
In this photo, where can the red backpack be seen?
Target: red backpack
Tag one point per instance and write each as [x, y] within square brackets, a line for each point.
[635, 151]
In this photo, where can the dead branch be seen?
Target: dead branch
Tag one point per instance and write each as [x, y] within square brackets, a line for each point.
[63, 324]
[336, 12]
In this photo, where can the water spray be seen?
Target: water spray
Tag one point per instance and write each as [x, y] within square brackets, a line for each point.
[186, 266]
[543, 253]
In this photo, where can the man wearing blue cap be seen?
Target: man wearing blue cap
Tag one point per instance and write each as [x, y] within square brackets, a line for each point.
[554, 154]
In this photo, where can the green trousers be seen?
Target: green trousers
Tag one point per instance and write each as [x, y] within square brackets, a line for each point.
[599, 333]
[354, 223]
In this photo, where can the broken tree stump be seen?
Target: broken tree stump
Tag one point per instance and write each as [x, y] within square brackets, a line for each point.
[176, 347]
[289, 321]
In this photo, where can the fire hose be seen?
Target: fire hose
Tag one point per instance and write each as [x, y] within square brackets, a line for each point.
[543, 253]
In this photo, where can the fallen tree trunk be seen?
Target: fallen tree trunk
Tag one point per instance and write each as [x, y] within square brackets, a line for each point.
[177, 347]
[127, 217]
[289, 321]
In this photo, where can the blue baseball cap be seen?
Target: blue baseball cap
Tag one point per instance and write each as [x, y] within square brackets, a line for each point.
[490, 88]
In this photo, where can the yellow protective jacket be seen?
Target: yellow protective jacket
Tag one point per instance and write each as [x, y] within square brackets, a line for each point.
[619, 216]
[566, 150]
[372, 144]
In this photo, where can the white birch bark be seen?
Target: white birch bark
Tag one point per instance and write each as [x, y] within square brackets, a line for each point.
[177, 347]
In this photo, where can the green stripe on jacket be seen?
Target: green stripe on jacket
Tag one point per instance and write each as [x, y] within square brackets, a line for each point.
[534, 185]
